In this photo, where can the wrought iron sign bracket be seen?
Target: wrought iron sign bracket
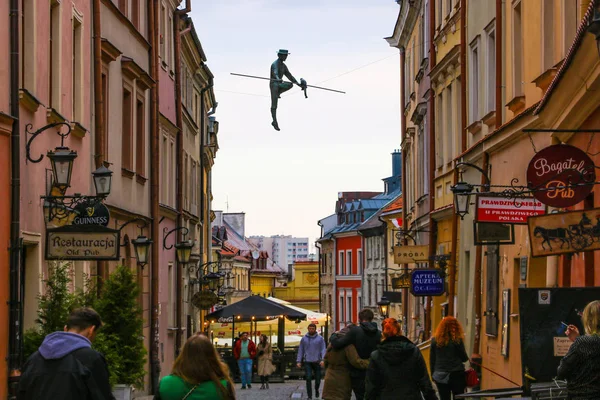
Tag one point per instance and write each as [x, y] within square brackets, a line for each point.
[35, 134]
[167, 233]
[62, 207]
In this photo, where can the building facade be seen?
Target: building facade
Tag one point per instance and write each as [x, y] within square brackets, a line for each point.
[303, 290]
[284, 249]
[326, 246]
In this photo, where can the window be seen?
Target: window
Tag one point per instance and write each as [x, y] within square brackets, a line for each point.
[341, 264]
[548, 29]
[170, 44]
[359, 262]
[172, 172]
[517, 51]
[348, 306]
[370, 292]
[28, 42]
[448, 8]
[438, 13]
[185, 178]
[127, 145]
[140, 140]
[426, 38]
[349, 262]
[76, 84]
[491, 69]
[164, 161]
[135, 13]
[193, 188]
[474, 89]
[163, 37]
[448, 116]
[570, 23]
[422, 34]
[407, 78]
[123, 6]
[359, 299]
[439, 143]
[341, 315]
[55, 53]
[171, 293]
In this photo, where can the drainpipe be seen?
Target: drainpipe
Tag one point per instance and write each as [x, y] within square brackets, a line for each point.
[431, 116]
[15, 320]
[453, 251]
[476, 356]
[99, 128]
[179, 168]
[154, 191]
[403, 136]
[499, 107]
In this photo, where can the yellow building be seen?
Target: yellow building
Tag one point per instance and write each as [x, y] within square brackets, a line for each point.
[303, 290]
[265, 275]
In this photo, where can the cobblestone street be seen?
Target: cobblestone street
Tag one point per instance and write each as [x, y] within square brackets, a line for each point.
[278, 391]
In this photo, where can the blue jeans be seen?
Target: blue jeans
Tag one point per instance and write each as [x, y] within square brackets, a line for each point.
[245, 365]
[312, 370]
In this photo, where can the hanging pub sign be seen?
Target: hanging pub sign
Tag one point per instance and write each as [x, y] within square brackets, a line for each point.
[204, 299]
[563, 233]
[91, 213]
[500, 210]
[401, 282]
[486, 233]
[427, 282]
[411, 254]
[82, 243]
[561, 175]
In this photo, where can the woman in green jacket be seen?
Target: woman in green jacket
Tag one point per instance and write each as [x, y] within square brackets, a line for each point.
[198, 374]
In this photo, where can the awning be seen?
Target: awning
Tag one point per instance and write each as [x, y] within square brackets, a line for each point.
[254, 308]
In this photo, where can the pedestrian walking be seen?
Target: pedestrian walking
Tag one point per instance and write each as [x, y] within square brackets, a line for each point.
[447, 355]
[244, 352]
[580, 367]
[265, 361]
[198, 374]
[311, 353]
[397, 369]
[365, 337]
[338, 385]
[65, 366]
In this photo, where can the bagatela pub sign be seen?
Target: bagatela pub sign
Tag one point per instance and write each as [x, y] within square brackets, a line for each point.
[427, 282]
[93, 242]
[500, 210]
[561, 175]
[411, 254]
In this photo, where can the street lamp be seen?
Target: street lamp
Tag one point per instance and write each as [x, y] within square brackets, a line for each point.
[102, 181]
[462, 198]
[384, 307]
[183, 249]
[61, 160]
[594, 26]
[141, 245]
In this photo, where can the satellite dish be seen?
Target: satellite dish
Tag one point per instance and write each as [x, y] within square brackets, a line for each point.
[255, 254]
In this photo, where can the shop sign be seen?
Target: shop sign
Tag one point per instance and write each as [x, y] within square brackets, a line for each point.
[427, 282]
[564, 233]
[486, 233]
[499, 210]
[411, 254]
[561, 175]
[89, 213]
[82, 243]
[204, 299]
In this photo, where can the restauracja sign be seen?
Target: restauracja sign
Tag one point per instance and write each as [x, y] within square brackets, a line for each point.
[77, 243]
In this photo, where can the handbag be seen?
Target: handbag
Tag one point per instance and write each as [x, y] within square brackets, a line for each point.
[190, 392]
[471, 377]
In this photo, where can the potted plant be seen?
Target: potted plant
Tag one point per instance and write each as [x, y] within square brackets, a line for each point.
[121, 339]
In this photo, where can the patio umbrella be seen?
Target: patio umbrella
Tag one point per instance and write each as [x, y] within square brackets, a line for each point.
[254, 308]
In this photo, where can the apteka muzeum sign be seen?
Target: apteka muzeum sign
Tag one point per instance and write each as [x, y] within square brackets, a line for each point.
[82, 243]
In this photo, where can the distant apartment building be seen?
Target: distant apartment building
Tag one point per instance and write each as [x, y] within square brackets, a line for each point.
[284, 249]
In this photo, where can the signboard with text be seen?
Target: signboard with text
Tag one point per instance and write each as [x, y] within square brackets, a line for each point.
[499, 210]
[427, 282]
[411, 254]
[561, 175]
[82, 243]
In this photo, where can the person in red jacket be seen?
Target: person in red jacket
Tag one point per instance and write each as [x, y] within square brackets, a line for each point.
[244, 352]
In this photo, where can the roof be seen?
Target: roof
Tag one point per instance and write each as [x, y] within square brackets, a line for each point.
[581, 30]
[395, 205]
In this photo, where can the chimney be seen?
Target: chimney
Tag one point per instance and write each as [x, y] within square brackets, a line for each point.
[397, 163]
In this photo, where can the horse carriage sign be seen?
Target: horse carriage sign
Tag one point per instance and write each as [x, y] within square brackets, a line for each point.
[563, 233]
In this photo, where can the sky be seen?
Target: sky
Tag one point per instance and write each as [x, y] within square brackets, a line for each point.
[286, 181]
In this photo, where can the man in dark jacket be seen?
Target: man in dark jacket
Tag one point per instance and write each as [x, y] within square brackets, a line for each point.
[65, 367]
[365, 337]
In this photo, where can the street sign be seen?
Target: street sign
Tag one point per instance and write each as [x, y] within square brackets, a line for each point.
[82, 243]
[561, 175]
[427, 282]
[499, 210]
[411, 254]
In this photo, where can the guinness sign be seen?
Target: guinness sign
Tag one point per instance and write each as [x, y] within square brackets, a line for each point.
[89, 213]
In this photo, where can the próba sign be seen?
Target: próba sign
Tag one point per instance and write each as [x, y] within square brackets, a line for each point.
[82, 243]
[561, 175]
[427, 282]
[411, 254]
[499, 210]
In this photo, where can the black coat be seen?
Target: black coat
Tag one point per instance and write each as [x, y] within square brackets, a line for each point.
[79, 375]
[365, 337]
[581, 368]
[397, 371]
